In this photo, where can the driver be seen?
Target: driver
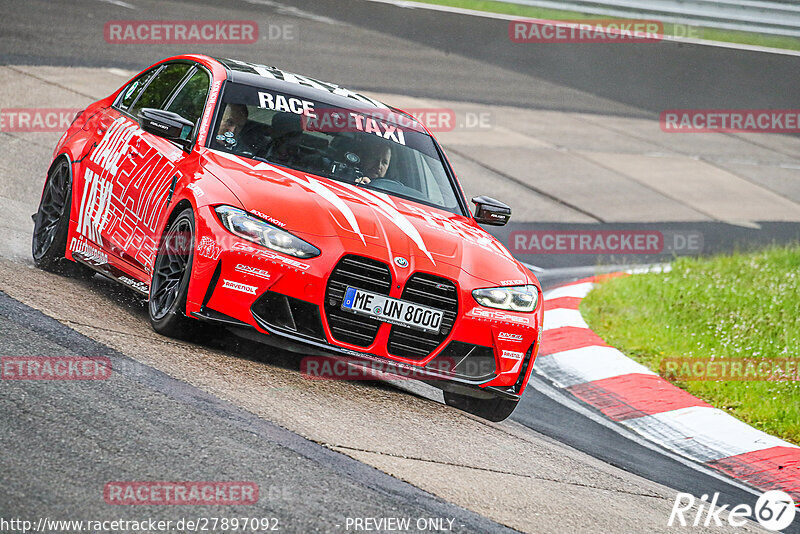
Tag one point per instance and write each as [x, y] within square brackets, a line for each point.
[237, 133]
[376, 162]
[234, 119]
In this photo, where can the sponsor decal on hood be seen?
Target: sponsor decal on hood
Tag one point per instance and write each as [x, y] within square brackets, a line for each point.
[333, 193]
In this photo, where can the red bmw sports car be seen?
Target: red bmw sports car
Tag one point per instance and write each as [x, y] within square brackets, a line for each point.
[298, 212]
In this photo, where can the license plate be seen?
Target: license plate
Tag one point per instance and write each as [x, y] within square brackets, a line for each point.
[391, 310]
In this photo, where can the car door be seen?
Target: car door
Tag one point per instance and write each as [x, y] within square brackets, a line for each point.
[129, 175]
[162, 166]
[93, 202]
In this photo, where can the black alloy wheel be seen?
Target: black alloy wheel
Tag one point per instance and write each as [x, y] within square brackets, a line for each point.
[170, 283]
[49, 242]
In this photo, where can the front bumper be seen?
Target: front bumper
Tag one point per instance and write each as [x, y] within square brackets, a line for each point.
[232, 279]
[307, 347]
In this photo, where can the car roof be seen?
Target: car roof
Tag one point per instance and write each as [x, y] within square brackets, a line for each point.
[274, 78]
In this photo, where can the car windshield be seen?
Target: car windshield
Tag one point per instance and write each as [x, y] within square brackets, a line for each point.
[374, 148]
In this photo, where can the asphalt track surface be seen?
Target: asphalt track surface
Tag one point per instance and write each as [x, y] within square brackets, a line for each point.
[374, 46]
[79, 434]
[435, 55]
[388, 49]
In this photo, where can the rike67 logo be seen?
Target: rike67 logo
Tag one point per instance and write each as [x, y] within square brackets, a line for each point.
[774, 510]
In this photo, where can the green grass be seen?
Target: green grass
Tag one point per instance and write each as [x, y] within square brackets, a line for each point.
[711, 34]
[746, 305]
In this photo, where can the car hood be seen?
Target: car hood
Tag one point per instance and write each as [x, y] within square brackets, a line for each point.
[364, 221]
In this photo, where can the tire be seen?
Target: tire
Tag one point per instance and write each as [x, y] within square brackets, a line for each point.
[169, 286]
[51, 223]
[495, 409]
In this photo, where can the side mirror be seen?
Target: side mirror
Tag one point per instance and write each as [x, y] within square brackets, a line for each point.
[491, 211]
[168, 125]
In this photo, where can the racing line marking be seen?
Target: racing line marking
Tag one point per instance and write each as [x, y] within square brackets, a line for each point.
[119, 3]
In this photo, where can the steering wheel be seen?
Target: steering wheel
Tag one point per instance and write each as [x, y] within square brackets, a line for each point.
[393, 182]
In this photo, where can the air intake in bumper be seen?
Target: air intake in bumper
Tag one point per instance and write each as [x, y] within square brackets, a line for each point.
[288, 314]
[428, 290]
[464, 360]
[363, 273]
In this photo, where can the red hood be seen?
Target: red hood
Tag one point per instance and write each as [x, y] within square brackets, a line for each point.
[361, 219]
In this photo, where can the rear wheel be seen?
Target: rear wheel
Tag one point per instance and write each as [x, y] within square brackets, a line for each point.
[494, 409]
[170, 284]
[51, 223]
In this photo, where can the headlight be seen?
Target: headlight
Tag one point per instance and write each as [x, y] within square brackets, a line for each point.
[246, 226]
[516, 298]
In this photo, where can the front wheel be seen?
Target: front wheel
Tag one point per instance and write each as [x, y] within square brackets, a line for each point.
[494, 409]
[170, 284]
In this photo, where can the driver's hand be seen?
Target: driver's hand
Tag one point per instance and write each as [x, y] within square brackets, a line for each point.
[363, 180]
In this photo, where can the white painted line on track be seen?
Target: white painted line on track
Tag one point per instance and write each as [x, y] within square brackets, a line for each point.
[562, 317]
[654, 268]
[587, 364]
[119, 3]
[532, 267]
[120, 72]
[572, 290]
[703, 433]
[569, 402]
[294, 12]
